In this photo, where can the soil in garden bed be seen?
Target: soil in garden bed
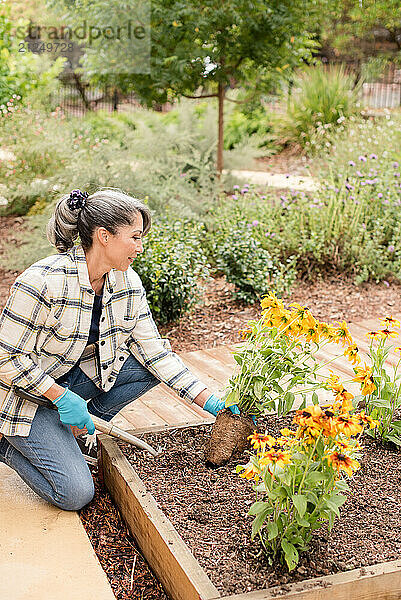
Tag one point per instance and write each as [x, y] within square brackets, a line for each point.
[209, 509]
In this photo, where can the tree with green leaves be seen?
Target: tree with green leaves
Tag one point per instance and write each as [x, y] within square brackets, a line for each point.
[204, 49]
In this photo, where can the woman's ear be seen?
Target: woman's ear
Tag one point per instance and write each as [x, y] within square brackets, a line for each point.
[102, 235]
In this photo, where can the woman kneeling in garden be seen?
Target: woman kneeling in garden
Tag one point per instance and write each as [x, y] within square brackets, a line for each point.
[77, 327]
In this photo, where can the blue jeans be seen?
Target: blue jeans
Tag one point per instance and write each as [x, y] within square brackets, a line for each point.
[49, 459]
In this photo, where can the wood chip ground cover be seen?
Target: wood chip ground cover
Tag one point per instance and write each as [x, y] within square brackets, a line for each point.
[209, 510]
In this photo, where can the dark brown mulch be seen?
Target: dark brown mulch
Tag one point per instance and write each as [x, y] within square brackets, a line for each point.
[209, 510]
[116, 549]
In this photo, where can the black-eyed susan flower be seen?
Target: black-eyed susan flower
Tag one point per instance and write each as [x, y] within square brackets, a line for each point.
[390, 322]
[259, 440]
[364, 376]
[352, 354]
[274, 457]
[344, 400]
[342, 462]
[349, 425]
[374, 335]
[250, 472]
[387, 333]
[367, 420]
[342, 333]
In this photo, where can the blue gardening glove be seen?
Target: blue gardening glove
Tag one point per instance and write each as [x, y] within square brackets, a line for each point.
[214, 405]
[73, 411]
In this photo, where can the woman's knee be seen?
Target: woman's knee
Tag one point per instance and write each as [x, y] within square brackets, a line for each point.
[74, 495]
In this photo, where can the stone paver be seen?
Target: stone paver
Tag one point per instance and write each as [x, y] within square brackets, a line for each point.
[277, 180]
[44, 551]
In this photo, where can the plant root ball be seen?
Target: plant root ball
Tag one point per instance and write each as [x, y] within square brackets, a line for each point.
[229, 437]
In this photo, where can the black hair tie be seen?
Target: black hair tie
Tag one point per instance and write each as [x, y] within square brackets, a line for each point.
[77, 200]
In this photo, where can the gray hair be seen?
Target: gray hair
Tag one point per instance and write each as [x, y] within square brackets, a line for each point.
[108, 207]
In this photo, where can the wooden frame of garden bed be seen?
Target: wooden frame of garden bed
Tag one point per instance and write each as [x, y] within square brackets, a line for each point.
[180, 573]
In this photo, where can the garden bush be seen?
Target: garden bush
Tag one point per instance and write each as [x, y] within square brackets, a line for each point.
[249, 266]
[321, 99]
[172, 267]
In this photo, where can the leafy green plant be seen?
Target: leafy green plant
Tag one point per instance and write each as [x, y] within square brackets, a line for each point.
[250, 267]
[172, 267]
[384, 400]
[299, 480]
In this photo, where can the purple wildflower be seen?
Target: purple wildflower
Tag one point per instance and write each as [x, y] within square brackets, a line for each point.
[373, 156]
[391, 248]
[380, 195]
[395, 165]
[351, 163]
[255, 222]
[386, 283]
[234, 197]
[362, 158]
[236, 187]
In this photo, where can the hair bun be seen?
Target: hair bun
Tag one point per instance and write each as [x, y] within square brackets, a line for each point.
[77, 199]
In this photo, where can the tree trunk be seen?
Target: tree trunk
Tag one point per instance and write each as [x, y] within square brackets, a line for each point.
[220, 137]
[81, 90]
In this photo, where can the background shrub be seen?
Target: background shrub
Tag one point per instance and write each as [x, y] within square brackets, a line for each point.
[172, 268]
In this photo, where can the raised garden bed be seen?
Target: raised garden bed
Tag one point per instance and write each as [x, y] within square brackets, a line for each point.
[199, 546]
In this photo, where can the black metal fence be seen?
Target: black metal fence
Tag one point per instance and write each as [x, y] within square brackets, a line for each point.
[78, 99]
[379, 90]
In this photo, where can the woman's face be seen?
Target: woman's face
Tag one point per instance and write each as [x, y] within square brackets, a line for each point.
[122, 248]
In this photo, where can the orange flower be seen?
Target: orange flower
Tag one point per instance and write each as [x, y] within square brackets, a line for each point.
[250, 472]
[329, 422]
[365, 377]
[305, 316]
[309, 419]
[367, 420]
[349, 425]
[352, 354]
[276, 457]
[345, 398]
[333, 383]
[259, 440]
[245, 333]
[341, 462]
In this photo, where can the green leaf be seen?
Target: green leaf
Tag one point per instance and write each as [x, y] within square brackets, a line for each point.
[302, 522]
[232, 398]
[257, 507]
[258, 522]
[315, 477]
[290, 554]
[289, 399]
[272, 530]
[315, 398]
[238, 358]
[300, 503]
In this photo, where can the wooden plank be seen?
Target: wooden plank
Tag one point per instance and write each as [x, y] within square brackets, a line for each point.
[139, 415]
[206, 364]
[377, 582]
[169, 557]
[223, 355]
[162, 393]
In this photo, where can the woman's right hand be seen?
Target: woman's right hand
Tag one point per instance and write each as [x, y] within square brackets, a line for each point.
[73, 411]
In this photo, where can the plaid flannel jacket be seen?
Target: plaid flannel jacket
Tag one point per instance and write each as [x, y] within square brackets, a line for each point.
[45, 325]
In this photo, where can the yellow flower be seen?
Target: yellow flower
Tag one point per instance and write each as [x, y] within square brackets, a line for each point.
[286, 432]
[352, 354]
[364, 376]
[374, 335]
[345, 398]
[175, 24]
[341, 462]
[304, 315]
[387, 321]
[397, 349]
[276, 457]
[333, 383]
[342, 333]
[367, 420]
[259, 440]
[349, 425]
[388, 333]
[250, 472]
[327, 331]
